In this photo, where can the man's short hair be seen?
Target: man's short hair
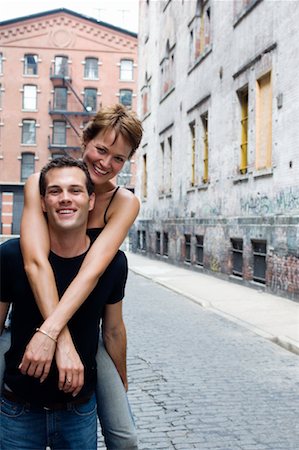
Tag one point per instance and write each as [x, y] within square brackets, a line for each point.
[61, 163]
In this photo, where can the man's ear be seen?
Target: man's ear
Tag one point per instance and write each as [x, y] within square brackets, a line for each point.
[92, 198]
[43, 205]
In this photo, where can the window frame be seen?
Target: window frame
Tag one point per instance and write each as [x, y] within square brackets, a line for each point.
[58, 134]
[123, 71]
[27, 66]
[88, 90]
[88, 75]
[24, 130]
[28, 98]
[62, 69]
[27, 169]
[125, 92]
[58, 104]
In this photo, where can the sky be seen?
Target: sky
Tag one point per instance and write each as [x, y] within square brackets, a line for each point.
[122, 13]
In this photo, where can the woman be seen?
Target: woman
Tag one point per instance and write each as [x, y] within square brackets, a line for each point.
[109, 140]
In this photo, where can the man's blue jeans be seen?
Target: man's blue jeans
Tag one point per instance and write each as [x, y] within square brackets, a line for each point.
[35, 428]
[113, 408]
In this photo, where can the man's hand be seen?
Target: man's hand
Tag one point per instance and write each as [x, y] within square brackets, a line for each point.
[70, 367]
[38, 357]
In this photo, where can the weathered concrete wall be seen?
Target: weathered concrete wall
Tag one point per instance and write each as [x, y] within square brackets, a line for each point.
[263, 204]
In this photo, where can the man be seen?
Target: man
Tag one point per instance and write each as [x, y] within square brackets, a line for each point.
[35, 414]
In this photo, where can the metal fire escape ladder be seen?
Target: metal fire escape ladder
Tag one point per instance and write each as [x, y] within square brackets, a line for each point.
[70, 123]
[69, 85]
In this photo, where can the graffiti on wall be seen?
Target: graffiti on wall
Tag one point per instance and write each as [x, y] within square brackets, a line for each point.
[284, 201]
[211, 209]
[284, 273]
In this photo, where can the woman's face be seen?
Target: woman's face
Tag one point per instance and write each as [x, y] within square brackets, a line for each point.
[104, 157]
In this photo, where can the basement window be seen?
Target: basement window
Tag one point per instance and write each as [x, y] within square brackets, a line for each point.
[188, 248]
[199, 250]
[259, 261]
[158, 243]
[237, 249]
[165, 244]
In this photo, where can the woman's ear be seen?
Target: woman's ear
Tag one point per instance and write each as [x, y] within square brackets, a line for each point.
[92, 198]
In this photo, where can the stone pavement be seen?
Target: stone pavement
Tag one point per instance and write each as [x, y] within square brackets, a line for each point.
[270, 316]
[200, 381]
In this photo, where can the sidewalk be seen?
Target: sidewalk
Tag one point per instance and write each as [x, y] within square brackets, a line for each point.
[272, 317]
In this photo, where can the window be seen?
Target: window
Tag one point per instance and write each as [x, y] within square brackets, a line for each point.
[57, 155]
[30, 64]
[199, 31]
[61, 66]
[199, 250]
[90, 99]
[144, 177]
[242, 7]
[29, 97]
[91, 68]
[60, 99]
[125, 97]
[188, 248]
[237, 249]
[158, 243]
[146, 96]
[124, 177]
[168, 180]
[126, 70]
[167, 71]
[165, 244]
[28, 132]
[27, 165]
[141, 240]
[165, 167]
[161, 168]
[259, 260]
[264, 123]
[204, 119]
[59, 132]
[243, 98]
[193, 154]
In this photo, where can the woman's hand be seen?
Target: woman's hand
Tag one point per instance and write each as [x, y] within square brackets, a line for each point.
[38, 358]
[70, 367]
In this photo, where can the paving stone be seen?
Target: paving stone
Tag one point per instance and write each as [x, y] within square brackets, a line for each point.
[198, 381]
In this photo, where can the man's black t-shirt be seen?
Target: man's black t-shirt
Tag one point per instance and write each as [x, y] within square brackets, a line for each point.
[84, 325]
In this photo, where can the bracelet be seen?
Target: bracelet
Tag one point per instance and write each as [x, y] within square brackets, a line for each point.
[46, 334]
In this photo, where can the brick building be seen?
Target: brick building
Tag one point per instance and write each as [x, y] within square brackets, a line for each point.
[56, 69]
[219, 167]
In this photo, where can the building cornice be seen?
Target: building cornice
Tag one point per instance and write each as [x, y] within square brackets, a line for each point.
[68, 12]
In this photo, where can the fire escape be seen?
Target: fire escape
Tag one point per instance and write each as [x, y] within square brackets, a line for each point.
[69, 113]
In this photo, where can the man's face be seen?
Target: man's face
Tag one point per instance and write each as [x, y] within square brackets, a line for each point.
[66, 200]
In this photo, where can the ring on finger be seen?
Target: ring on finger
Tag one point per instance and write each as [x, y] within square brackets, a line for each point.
[68, 380]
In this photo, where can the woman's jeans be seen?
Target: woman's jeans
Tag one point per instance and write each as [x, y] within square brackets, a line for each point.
[114, 411]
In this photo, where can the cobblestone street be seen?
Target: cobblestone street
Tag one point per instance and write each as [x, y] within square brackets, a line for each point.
[199, 381]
